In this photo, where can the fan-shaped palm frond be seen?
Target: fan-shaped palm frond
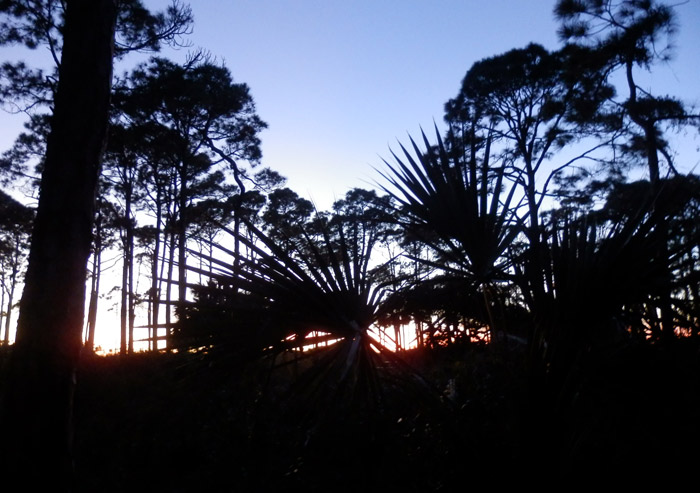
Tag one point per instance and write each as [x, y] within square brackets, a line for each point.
[463, 209]
[463, 202]
[606, 267]
[318, 289]
[604, 278]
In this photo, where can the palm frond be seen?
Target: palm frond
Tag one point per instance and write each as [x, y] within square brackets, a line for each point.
[316, 289]
[461, 202]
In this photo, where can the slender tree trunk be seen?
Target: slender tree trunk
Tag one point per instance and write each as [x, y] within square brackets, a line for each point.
[419, 333]
[646, 124]
[165, 262]
[649, 128]
[183, 224]
[236, 243]
[11, 299]
[130, 294]
[6, 339]
[94, 285]
[39, 382]
[123, 302]
[175, 217]
[127, 269]
[168, 291]
[94, 295]
[155, 283]
[237, 208]
[182, 257]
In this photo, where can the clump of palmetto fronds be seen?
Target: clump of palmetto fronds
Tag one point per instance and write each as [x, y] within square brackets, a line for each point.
[318, 290]
[461, 206]
[588, 285]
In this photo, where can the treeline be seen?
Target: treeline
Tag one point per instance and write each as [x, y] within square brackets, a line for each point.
[519, 205]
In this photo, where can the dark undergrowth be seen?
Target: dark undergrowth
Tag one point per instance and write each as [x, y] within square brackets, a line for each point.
[204, 422]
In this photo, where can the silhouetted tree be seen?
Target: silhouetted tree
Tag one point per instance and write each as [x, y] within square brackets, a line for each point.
[40, 376]
[103, 239]
[15, 230]
[40, 379]
[202, 122]
[630, 35]
[39, 24]
[31, 89]
[516, 109]
[121, 172]
[627, 36]
[284, 215]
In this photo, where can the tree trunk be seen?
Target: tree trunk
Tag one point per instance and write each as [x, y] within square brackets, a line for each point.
[419, 333]
[37, 398]
[155, 282]
[182, 259]
[182, 225]
[2, 304]
[132, 301]
[94, 295]
[168, 292]
[11, 298]
[397, 334]
[94, 283]
[123, 302]
[649, 128]
[131, 296]
[126, 345]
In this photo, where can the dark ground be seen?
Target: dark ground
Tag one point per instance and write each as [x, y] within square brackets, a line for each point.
[195, 422]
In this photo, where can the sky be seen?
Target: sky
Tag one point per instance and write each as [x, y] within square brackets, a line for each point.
[340, 83]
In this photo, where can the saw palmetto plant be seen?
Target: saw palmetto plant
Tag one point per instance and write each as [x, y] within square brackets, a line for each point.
[463, 209]
[607, 283]
[617, 271]
[594, 270]
[313, 302]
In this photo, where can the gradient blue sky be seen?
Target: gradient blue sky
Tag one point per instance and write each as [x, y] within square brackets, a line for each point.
[339, 82]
